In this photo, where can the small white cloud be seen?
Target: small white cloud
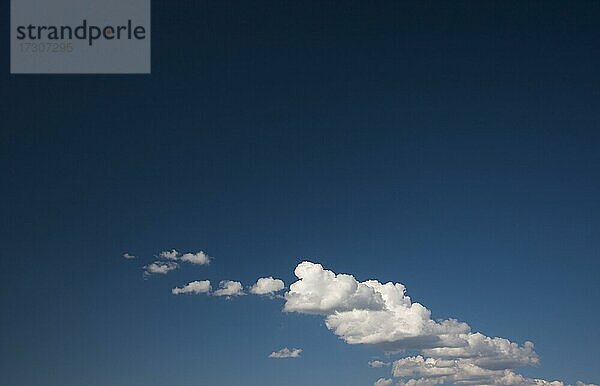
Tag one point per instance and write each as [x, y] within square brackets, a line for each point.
[195, 287]
[286, 353]
[267, 286]
[199, 258]
[169, 255]
[229, 288]
[579, 383]
[383, 382]
[128, 256]
[160, 267]
[378, 364]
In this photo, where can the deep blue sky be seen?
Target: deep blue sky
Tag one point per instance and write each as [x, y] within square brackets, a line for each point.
[450, 146]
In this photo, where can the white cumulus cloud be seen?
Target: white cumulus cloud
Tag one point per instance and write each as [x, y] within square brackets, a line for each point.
[128, 256]
[229, 288]
[434, 371]
[322, 292]
[198, 258]
[383, 382]
[371, 312]
[160, 267]
[368, 312]
[169, 255]
[286, 353]
[194, 287]
[267, 286]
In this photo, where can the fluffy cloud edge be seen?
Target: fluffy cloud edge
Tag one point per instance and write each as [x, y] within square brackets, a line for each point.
[229, 289]
[267, 286]
[194, 287]
[196, 258]
[286, 353]
[160, 268]
[169, 255]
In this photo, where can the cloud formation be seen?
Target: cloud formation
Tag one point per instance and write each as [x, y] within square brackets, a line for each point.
[194, 287]
[169, 255]
[160, 267]
[198, 258]
[286, 353]
[128, 256]
[375, 364]
[383, 382]
[370, 312]
[420, 371]
[267, 286]
[229, 288]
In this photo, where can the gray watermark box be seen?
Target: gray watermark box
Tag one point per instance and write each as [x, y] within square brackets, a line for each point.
[80, 37]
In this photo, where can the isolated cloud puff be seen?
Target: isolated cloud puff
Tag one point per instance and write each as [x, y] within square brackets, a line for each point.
[229, 288]
[286, 353]
[128, 256]
[194, 287]
[267, 286]
[382, 314]
[160, 267]
[383, 382]
[198, 258]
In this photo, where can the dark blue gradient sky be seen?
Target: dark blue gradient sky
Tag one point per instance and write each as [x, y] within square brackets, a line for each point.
[450, 146]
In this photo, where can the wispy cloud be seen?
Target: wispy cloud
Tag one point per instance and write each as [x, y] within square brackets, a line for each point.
[286, 353]
[128, 256]
[194, 287]
[378, 364]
